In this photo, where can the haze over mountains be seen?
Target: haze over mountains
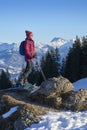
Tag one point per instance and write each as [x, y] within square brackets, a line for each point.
[11, 59]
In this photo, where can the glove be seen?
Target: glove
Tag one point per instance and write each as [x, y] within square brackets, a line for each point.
[30, 56]
[35, 56]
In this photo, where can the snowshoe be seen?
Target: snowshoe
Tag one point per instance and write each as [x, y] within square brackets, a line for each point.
[26, 86]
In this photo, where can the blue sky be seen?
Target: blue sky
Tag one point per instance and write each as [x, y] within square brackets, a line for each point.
[46, 18]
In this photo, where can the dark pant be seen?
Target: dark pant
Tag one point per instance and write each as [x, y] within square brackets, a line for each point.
[27, 71]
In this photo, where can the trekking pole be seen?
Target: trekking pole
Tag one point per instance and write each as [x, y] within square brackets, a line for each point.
[39, 66]
[43, 74]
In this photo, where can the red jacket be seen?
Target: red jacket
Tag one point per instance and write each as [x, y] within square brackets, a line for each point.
[29, 49]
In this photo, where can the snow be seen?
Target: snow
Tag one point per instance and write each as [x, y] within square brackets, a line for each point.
[1, 61]
[66, 120]
[6, 46]
[57, 42]
[80, 84]
[64, 49]
[10, 112]
[33, 91]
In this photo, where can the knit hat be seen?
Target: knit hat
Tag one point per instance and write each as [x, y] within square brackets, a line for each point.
[28, 32]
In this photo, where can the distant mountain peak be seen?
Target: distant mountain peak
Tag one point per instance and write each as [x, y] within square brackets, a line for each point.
[57, 39]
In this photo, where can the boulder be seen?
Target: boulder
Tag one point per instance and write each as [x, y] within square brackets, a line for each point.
[51, 90]
[77, 101]
[60, 85]
[26, 119]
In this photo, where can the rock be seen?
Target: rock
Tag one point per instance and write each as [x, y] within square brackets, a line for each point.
[25, 115]
[7, 123]
[55, 92]
[60, 85]
[3, 107]
[77, 101]
[51, 90]
[26, 119]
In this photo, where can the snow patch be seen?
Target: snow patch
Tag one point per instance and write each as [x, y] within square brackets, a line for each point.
[33, 91]
[62, 121]
[80, 84]
[10, 112]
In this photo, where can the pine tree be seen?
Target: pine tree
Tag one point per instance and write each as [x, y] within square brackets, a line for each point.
[83, 65]
[57, 60]
[5, 82]
[51, 64]
[63, 67]
[72, 68]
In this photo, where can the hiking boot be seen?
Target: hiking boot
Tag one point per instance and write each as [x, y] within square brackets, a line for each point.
[20, 82]
[26, 82]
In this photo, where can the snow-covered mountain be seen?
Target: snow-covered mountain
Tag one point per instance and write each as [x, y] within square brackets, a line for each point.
[57, 41]
[12, 60]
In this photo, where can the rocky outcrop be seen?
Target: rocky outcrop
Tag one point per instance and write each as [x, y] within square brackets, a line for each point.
[26, 118]
[60, 85]
[58, 92]
[51, 90]
[25, 115]
[52, 95]
[77, 101]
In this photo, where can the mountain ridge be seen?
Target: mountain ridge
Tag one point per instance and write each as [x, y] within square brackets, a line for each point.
[11, 59]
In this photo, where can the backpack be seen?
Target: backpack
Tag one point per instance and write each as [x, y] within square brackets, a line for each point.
[22, 48]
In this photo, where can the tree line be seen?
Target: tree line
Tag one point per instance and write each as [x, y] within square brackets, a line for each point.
[74, 67]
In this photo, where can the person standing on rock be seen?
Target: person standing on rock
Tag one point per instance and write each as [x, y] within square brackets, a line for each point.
[29, 53]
